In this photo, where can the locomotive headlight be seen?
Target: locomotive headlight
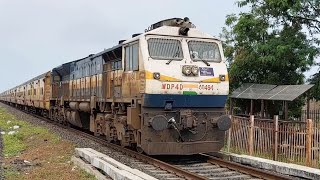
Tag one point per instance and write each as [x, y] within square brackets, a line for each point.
[156, 75]
[222, 77]
[195, 70]
[187, 70]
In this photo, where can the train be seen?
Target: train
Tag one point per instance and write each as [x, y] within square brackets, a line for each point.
[162, 92]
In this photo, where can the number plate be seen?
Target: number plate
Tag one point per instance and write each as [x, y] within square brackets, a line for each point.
[205, 71]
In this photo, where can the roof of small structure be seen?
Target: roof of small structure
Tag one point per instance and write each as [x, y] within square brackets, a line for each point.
[270, 92]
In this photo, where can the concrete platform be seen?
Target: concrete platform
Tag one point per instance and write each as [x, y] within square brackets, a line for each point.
[89, 168]
[275, 166]
[111, 167]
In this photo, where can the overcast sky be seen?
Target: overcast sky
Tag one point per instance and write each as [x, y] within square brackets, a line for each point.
[37, 35]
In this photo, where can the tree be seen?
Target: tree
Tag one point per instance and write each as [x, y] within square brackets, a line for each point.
[273, 43]
[315, 91]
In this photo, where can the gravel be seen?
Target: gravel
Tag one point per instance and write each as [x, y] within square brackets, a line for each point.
[82, 142]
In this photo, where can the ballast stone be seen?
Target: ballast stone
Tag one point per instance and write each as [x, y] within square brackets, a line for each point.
[111, 167]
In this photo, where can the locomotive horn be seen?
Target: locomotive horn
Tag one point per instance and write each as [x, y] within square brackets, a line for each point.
[183, 31]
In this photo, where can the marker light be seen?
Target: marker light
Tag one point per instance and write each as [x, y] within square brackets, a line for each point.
[222, 77]
[156, 75]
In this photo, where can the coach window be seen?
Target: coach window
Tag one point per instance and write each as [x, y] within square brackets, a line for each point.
[87, 70]
[77, 73]
[93, 69]
[132, 57]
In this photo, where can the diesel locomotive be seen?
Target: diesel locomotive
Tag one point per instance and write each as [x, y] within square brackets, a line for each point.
[162, 91]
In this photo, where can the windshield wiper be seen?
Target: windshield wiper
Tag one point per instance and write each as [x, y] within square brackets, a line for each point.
[206, 62]
[175, 55]
[167, 63]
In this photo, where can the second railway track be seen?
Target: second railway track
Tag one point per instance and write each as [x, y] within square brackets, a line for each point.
[200, 166]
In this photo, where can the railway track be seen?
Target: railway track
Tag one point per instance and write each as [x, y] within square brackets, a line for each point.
[198, 167]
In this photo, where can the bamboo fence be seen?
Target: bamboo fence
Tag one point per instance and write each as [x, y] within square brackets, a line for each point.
[285, 141]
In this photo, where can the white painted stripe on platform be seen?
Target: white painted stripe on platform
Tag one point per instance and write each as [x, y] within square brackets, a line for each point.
[113, 168]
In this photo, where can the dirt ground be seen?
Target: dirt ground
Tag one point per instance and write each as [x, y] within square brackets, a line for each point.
[35, 152]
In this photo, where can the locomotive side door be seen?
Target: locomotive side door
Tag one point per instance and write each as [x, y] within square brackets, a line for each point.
[131, 70]
[47, 90]
[113, 73]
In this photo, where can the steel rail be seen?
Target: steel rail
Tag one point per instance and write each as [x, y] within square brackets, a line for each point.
[246, 169]
[168, 167]
[162, 165]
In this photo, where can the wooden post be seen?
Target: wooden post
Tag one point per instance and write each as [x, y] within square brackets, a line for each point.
[262, 109]
[229, 134]
[308, 108]
[286, 110]
[267, 111]
[251, 131]
[251, 107]
[275, 137]
[231, 107]
[309, 137]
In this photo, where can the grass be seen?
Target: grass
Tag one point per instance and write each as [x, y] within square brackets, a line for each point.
[39, 145]
[86, 175]
[15, 144]
[11, 174]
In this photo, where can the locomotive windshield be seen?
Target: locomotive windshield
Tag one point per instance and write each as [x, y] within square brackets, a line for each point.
[208, 51]
[165, 49]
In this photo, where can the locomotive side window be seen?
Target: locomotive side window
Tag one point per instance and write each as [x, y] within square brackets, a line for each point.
[165, 49]
[132, 57]
[116, 65]
[208, 51]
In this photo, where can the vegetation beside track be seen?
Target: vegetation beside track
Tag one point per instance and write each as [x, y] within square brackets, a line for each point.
[32, 152]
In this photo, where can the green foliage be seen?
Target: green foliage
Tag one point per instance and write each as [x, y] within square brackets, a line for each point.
[315, 91]
[269, 44]
[298, 13]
